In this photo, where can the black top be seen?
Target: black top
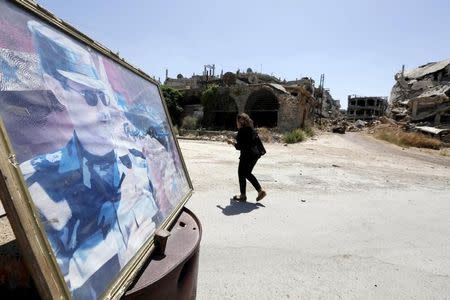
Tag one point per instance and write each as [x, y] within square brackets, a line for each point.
[245, 139]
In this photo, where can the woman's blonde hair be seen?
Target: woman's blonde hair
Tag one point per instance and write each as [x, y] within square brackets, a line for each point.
[245, 120]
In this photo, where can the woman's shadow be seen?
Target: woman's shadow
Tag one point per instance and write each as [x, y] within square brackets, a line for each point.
[236, 207]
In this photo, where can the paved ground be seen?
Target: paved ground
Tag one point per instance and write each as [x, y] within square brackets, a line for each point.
[346, 216]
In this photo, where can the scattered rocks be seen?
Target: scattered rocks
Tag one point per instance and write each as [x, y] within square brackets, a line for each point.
[339, 129]
[268, 136]
[360, 123]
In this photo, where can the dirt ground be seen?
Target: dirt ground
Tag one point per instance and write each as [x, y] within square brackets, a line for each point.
[346, 216]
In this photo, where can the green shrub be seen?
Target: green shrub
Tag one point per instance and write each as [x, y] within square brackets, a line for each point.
[209, 102]
[294, 136]
[173, 101]
[209, 95]
[309, 131]
[189, 123]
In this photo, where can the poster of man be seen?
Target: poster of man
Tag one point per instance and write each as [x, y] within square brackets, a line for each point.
[94, 146]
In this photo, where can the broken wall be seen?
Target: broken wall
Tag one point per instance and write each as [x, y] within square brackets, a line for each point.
[422, 94]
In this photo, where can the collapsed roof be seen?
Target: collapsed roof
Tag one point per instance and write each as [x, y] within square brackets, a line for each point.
[423, 94]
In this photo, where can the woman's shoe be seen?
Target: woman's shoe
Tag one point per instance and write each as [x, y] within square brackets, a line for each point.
[261, 195]
[239, 198]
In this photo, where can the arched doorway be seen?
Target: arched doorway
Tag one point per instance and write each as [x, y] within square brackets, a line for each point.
[224, 113]
[219, 110]
[262, 106]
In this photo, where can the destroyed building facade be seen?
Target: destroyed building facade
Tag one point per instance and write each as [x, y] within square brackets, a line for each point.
[328, 107]
[422, 95]
[269, 101]
[366, 108]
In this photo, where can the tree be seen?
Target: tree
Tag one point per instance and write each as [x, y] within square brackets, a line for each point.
[173, 101]
[209, 101]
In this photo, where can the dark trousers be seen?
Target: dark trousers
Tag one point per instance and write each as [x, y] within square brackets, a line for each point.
[245, 172]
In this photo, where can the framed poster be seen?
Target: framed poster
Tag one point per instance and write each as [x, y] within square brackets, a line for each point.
[90, 166]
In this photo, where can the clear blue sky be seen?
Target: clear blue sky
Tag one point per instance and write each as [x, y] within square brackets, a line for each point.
[359, 45]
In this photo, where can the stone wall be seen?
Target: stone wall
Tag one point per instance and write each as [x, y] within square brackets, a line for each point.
[271, 104]
[290, 113]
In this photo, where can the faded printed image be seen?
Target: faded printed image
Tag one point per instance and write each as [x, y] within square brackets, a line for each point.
[94, 146]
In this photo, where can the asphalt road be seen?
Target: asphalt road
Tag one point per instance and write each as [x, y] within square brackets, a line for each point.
[346, 217]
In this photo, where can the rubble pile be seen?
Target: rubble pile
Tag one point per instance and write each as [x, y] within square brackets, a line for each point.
[327, 107]
[328, 124]
[207, 135]
[386, 123]
[422, 95]
[224, 135]
[341, 125]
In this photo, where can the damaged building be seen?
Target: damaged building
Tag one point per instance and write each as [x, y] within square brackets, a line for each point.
[422, 95]
[421, 99]
[328, 107]
[366, 108]
[269, 101]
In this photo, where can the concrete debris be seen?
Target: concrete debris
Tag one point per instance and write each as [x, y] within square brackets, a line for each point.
[431, 130]
[338, 129]
[427, 69]
[341, 125]
[328, 106]
[224, 135]
[441, 133]
[360, 123]
[422, 95]
[386, 120]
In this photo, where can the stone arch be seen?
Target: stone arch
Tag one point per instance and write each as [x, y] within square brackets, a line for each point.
[262, 106]
[192, 99]
[223, 113]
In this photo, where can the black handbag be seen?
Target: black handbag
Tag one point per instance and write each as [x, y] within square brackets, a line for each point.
[258, 147]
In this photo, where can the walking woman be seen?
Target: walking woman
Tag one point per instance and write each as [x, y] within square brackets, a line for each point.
[246, 140]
